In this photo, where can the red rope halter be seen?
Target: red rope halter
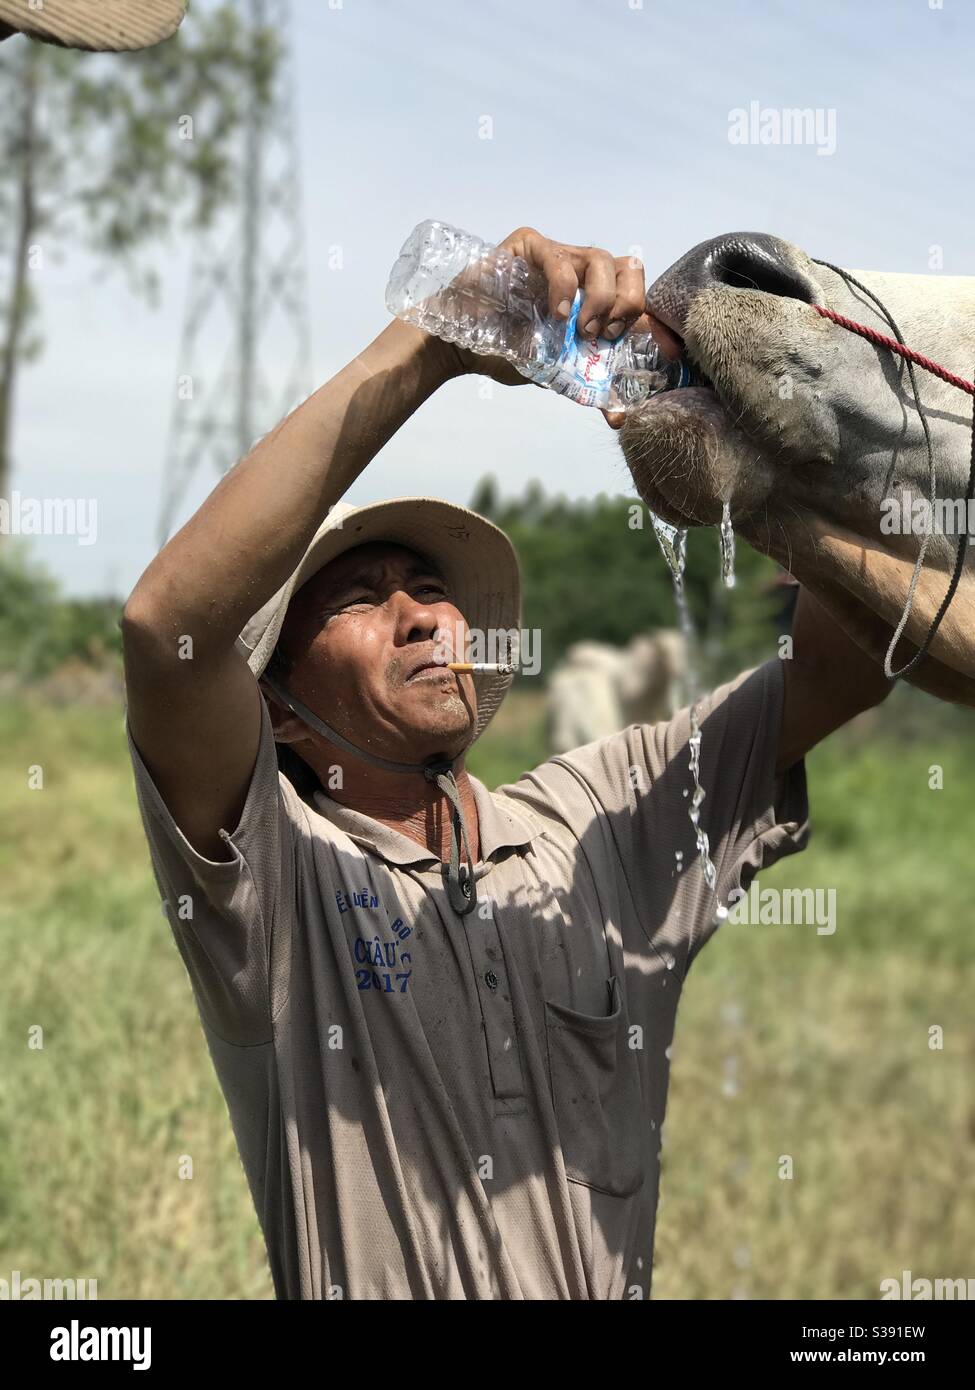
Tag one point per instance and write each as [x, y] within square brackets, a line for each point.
[881, 340]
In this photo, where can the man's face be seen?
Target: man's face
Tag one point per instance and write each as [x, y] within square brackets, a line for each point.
[356, 633]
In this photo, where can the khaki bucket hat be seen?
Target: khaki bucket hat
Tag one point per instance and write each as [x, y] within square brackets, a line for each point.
[476, 558]
[110, 26]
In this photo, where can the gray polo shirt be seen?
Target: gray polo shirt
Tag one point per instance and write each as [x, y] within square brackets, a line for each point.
[435, 1106]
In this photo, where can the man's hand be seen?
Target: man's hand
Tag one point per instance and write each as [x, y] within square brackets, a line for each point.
[614, 294]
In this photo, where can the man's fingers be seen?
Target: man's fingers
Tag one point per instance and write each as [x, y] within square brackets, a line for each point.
[563, 281]
[631, 296]
[554, 260]
[613, 288]
[598, 292]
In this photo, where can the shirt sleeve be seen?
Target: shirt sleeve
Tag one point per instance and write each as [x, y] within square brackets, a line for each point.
[637, 785]
[227, 916]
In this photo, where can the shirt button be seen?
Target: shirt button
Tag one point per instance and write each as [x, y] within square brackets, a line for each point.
[491, 980]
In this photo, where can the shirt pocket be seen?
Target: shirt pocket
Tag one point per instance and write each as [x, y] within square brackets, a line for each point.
[596, 1095]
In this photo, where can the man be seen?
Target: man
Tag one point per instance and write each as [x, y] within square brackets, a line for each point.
[102, 25]
[441, 1017]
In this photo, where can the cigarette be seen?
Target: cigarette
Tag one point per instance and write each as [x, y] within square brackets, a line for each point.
[475, 666]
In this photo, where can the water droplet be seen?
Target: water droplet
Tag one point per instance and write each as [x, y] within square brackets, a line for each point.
[673, 543]
[726, 538]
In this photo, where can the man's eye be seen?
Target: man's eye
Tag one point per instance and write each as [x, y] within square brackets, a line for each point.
[345, 604]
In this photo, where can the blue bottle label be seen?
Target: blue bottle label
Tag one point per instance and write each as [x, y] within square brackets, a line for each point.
[585, 364]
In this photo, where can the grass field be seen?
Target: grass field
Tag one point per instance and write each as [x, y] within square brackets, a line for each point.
[788, 1043]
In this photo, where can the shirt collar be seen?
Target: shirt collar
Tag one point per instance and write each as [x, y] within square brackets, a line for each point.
[499, 826]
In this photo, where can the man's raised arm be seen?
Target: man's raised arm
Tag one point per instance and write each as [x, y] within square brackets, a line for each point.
[196, 722]
[828, 681]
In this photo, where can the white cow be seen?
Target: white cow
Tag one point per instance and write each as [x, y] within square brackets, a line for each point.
[597, 689]
[814, 436]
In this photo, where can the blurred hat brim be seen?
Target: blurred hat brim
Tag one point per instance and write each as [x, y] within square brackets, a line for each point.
[103, 26]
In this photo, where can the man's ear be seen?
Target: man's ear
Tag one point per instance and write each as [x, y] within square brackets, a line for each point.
[288, 728]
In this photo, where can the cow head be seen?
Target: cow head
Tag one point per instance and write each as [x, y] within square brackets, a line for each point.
[811, 434]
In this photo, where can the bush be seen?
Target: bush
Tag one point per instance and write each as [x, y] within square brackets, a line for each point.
[40, 629]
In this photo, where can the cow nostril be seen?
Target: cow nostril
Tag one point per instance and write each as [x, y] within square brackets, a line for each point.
[739, 260]
[750, 268]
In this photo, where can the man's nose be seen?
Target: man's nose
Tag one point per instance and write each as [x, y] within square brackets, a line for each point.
[415, 621]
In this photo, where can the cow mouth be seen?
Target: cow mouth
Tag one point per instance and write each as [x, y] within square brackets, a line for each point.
[698, 376]
[723, 409]
[688, 448]
[700, 391]
[735, 267]
[668, 334]
[726, 310]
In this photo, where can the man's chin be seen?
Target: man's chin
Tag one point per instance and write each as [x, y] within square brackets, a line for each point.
[446, 740]
[436, 724]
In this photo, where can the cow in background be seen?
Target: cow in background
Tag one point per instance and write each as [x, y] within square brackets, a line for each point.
[597, 689]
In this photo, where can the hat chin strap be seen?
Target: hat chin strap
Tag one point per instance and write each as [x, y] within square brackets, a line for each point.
[461, 890]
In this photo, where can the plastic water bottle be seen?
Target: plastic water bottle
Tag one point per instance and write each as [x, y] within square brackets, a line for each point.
[462, 289]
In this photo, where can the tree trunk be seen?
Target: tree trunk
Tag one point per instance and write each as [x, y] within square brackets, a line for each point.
[26, 221]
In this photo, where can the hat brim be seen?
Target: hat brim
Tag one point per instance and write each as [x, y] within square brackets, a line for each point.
[104, 26]
[477, 559]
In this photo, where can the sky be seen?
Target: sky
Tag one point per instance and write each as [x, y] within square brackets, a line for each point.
[610, 124]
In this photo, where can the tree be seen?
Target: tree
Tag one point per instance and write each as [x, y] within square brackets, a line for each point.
[485, 499]
[107, 150]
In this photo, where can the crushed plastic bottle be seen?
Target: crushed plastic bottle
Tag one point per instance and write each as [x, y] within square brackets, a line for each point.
[460, 288]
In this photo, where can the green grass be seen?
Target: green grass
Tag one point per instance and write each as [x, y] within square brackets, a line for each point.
[827, 1037]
